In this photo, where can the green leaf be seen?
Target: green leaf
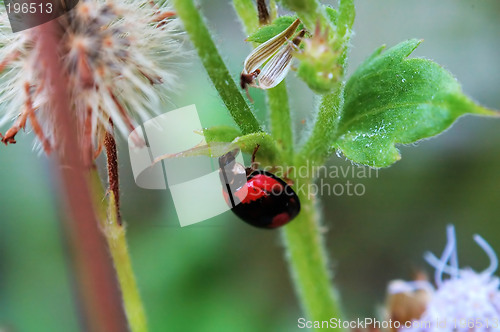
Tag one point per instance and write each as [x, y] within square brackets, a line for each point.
[217, 145]
[345, 17]
[391, 99]
[332, 14]
[269, 31]
[301, 5]
[233, 138]
[220, 134]
[268, 150]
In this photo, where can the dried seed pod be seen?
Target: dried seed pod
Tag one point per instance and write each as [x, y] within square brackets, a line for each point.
[266, 51]
[277, 55]
[276, 69]
[407, 301]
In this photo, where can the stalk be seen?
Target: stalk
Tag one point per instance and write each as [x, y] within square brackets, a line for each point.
[305, 251]
[277, 97]
[248, 15]
[100, 293]
[102, 307]
[281, 122]
[215, 67]
[308, 261]
[114, 232]
[320, 142]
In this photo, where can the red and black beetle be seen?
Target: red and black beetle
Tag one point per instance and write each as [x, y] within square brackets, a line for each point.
[258, 197]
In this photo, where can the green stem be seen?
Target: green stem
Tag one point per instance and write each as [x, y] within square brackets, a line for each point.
[325, 132]
[309, 12]
[319, 144]
[308, 260]
[117, 244]
[248, 15]
[307, 257]
[215, 67]
[281, 123]
[277, 97]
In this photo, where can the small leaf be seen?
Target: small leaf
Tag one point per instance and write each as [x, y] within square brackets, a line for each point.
[391, 99]
[269, 31]
[332, 14]
[345, 17]
[216, 148]
[213, 149]
[268, 149]
[300, 5]
[220, 134]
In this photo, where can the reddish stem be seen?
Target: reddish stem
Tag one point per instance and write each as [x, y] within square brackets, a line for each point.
[112, 156]
[98, 285]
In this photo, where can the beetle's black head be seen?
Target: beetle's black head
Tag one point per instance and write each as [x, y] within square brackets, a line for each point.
[228, 158]
[232, 175]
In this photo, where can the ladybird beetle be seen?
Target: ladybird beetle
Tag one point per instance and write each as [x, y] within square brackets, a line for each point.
[258, 197]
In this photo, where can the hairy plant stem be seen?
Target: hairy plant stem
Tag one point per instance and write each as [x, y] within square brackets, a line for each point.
[305, 249]
[277, 97]
[99, 294]
[281, 122]
[248, 15]
[309, 12]
[324, 134]
[308, 262]
[114, 232]
[320, 142]
[215, 67]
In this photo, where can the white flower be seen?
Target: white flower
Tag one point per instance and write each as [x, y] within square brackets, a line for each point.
[120, 61]
[467, 300]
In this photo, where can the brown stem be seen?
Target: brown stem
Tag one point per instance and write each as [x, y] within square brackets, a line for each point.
[112, 156]
[98, 287]
[37, 128]
[122, 110]
[10, 135]
[264, 17]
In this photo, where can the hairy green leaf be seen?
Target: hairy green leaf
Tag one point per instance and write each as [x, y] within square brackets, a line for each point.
[220, 134]
[269, 31]
[346, 17]
[268, 150]
[391, 99]
[216, 148]
[301, 5]
[332, 14]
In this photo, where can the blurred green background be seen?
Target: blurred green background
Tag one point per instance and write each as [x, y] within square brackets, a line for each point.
[222, 275]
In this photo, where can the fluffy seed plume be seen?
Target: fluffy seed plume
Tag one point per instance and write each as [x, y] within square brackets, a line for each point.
[466, 301]
[120, 60]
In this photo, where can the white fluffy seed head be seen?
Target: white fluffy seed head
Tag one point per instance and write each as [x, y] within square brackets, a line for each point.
[473, 297]
[467, 300]
[120, 58]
